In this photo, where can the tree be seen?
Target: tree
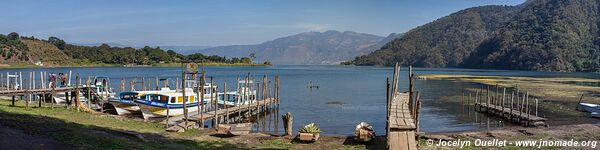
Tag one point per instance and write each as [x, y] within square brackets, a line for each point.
[57, 42]
[13, 36]
[252, 56]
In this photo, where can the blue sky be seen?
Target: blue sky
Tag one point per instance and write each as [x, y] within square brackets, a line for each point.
[214, 23]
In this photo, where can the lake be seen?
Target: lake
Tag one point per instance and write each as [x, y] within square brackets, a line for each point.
[347, 95]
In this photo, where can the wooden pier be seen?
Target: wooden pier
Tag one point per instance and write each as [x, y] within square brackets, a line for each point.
[402, 126]
[402, 115]
[516, 116]
[513, 105]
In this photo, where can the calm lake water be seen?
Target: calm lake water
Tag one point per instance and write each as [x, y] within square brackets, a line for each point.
[347, 94]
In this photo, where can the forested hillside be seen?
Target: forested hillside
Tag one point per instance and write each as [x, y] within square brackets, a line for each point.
[18, 49]
[547, 35]
[444, 42]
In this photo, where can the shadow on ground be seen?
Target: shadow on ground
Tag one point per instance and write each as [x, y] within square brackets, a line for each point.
[40, 132]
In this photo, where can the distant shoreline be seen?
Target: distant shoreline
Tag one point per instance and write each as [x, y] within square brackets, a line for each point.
[26, 66]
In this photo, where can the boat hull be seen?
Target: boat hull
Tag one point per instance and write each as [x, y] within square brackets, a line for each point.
[588, 107]
[125, 109]
[151, 111]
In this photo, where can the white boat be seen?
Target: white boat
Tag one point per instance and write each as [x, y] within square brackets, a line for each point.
[100, 86]
[125, 102]
[242, 96]
[61, 98]
[589, 107]
[594, 109]
[156, 105]
[596, 114]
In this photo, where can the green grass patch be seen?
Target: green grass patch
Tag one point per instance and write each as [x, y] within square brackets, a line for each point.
[94, 131]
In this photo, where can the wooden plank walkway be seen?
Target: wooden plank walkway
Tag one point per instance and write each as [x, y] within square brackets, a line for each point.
[193, 117]
[514, 115]
[401, 125]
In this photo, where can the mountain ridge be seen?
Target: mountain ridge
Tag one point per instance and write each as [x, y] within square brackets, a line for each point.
[329, 47]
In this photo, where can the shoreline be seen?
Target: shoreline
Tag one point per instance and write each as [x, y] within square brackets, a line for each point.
[6, 66]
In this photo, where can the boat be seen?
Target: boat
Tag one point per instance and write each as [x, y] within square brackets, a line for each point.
[61, 98]
[125, 102]
[596, 114]
[589, 107]
[157, 105]
[594, 109]
[242, 96]
[101, 87]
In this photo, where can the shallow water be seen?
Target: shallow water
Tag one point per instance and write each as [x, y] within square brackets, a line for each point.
[346, 96]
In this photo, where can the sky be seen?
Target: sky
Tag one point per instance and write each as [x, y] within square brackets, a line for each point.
[214, 23]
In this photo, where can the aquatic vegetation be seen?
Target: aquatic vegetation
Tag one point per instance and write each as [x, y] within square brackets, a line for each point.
[557, 89]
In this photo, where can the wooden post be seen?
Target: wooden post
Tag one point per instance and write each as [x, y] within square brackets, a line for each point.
[143, 84]
[52, 94]
[89, 101]
[257, 108]
[462, 98]
[536, 107]
[225, 102]
[418, 104]
[77, 100]
[487, 99]
[177, 84]
[287, 123]
[503, 97]
[265, 97]
[200, 97]
[13, 100]
[211, 100]
[277, 105]
[238, 98]
[27, 91]
[201, 110]
[216, 107]
[512, 96]
[527, 109]
[476, 100]
[185, 99]
[387, 106]
[495, 100]
[577, 105]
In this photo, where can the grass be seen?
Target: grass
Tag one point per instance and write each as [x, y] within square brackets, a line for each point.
[92, 131]
[560, 89]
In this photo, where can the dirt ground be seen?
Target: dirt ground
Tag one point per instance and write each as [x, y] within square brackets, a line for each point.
[580, 132]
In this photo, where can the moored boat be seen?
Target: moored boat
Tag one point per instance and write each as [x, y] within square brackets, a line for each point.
[125, 102]
[589, 107]
[156, 105]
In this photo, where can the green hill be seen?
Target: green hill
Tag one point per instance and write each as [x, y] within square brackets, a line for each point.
[548, 35]
[46, 53]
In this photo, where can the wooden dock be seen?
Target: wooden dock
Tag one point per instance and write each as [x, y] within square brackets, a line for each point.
[513, 115]
[402, 127]
[402, 114]
[507, 103]
[29, 91]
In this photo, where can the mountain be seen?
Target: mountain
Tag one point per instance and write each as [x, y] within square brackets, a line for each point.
[544, 35]
[548, 35]
[329, 47]
[444, 42]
